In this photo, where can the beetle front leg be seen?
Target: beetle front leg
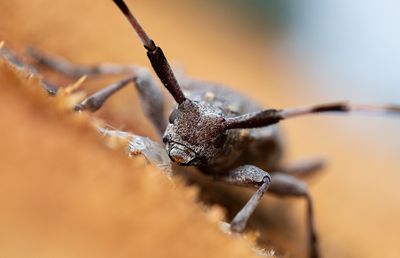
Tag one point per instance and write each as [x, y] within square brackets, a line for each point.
[286, 185]
[247, 176]
[151, 97]
[154, 152]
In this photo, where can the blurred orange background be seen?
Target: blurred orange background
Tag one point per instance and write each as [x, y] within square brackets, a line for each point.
[356, 197]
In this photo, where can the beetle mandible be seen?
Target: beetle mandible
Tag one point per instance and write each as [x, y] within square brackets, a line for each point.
[219, 131]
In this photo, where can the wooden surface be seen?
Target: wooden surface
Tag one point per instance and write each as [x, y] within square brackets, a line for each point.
[356, 199]
[64, 193]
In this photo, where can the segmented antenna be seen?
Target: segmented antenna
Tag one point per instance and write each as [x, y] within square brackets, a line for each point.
[155, 54]
[272, 116]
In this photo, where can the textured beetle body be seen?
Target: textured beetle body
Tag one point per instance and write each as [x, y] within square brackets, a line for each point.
[198, 126]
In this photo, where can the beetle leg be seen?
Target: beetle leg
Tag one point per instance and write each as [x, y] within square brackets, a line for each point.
[286, 185]
[303, 168]
[7, 54]
[154, 152]
[96, 100]
[65, 67]
[247, 176]
[151, 97]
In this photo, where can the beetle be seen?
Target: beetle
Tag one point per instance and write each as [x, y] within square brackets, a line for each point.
[221, 132]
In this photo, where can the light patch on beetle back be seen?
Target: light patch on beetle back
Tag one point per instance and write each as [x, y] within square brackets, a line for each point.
[234, 108]
[209, 96]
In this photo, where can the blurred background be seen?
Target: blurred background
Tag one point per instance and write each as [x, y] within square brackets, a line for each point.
[281, 53]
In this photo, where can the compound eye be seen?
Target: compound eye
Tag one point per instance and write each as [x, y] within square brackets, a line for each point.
[173, 116]
[219, 141]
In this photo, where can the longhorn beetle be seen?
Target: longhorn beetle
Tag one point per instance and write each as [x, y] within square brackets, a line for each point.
[219, 131]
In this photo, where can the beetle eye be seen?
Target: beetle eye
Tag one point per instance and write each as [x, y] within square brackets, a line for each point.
[173, 116]
[219, 141]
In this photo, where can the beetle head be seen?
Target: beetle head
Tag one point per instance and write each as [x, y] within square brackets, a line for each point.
[195, 133]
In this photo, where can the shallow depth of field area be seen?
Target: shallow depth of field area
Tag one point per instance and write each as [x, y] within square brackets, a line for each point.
[54, 202]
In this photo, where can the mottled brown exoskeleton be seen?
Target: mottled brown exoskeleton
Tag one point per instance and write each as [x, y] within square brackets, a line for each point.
[222, 133]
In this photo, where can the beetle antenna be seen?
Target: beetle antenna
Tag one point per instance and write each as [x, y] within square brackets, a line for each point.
[146, 40]
[156, 56]
[272, 116]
